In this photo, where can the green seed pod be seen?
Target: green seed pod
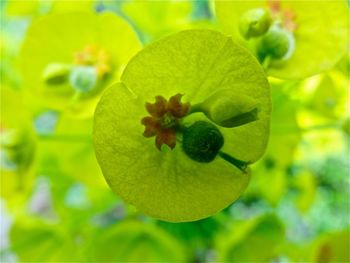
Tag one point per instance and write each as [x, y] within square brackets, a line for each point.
[228, 109]
[83, 78]
[278, 43]
[254, 23]
[56, 73]
[202, 141]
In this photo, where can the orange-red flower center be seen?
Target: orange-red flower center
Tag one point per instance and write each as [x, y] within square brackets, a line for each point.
[94, 56]
[164, 119]
[287, 16]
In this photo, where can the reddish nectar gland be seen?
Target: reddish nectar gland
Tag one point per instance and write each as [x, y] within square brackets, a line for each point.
[164, 119]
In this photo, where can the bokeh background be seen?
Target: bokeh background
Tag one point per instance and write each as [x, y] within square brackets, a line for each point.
[56, 206]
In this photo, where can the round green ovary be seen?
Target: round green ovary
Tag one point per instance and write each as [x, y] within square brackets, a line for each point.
[56, 39]
[275, 44]
[202, 141]
[167, 184]
[320, 34]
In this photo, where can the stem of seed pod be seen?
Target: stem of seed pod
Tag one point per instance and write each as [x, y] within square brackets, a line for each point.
[77, 95]
[266, 62]
[241, 165]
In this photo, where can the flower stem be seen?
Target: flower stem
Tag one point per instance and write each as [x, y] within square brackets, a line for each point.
[196, 108]
[266, 62]
[241, 165]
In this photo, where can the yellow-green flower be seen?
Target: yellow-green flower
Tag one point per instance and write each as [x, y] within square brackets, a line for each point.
[68, 59]
[205, 169]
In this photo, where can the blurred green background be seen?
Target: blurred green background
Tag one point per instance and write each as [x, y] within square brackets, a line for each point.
[56, 206]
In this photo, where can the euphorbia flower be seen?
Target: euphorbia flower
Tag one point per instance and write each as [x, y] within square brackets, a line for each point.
[221, 128]
[71, 76]
[312, 37]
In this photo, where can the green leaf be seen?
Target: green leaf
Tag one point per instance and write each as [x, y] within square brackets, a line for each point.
[255, 240]
[133, 241]
[73, 33]
[167, 184]
[71, 148]
[333, 247]
[319, 41]
[331, 96]
[306, 184]
[51, 243]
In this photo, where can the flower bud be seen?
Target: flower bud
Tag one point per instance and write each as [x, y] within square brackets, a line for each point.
[83, 78]
[56, 73]
[202, 141]
[254, 23]
[278, 43]
[16, 149]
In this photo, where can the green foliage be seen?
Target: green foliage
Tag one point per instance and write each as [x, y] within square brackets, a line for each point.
[132, 241]
[254, 240]
[51, 242]
[331, 248]
[59, 57]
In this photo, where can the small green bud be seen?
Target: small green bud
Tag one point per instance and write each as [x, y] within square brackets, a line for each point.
[56, 73]
[228, 109]
[83, 78]
[16, 148]
[202, 141]
[254, 23]
[278, 43]
[12, 138]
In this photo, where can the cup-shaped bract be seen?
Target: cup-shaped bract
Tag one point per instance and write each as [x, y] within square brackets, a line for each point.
[166, 183]
[57, 45]
[319, 28]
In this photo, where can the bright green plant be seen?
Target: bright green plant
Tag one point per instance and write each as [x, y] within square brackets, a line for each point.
[303, 37]
[265, 233]
[134, 241]
[201, 164]
[69, 68]
[17, 147]
[332, 247]
[52, 242]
